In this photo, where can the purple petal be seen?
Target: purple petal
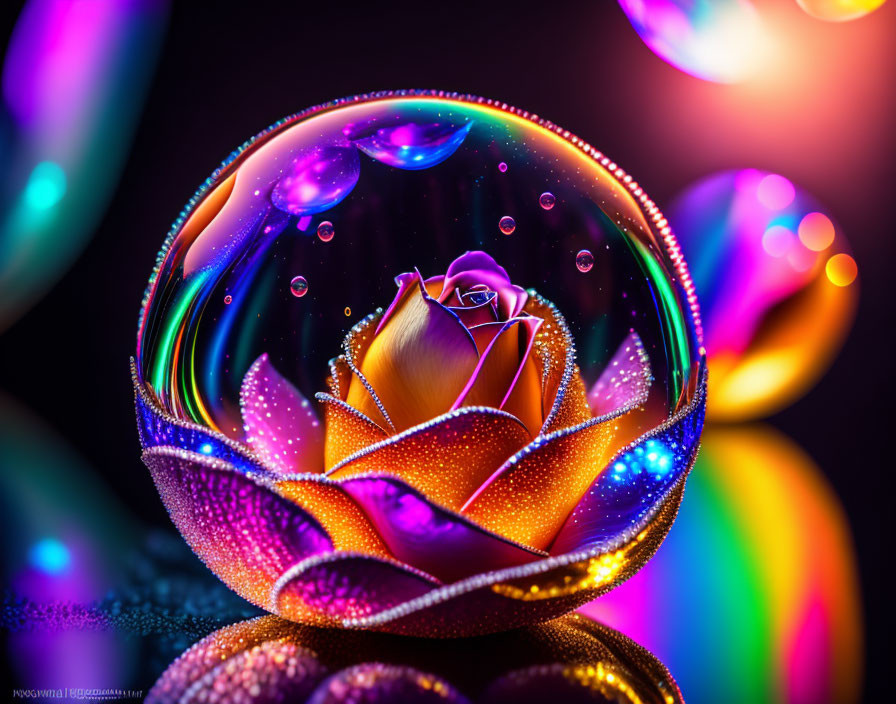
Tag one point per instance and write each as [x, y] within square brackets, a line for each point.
[339, 587]
[475, 268]
[279, 422]
[243, 531]
[157, 427]
[625, 382]
[378, 683]
[429, 537]
[635, 482]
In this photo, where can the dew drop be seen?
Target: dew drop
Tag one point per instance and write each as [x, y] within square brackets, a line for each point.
[584, 261]
[298, 286]
[502, 167]
[227, 299]
[348, 311]
[546, 200]
[325, 231]
[507, 225]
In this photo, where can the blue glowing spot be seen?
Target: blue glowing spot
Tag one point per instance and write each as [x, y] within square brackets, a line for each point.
[50, 555]
[45, 186]
[206, 449]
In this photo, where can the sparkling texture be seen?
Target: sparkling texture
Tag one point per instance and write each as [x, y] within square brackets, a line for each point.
[572, 659]
[422, 480]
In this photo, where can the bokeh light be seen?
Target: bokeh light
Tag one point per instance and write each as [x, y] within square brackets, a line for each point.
[774, 615]
[717, 40]
[777, 287]
[74, 75]
[839, 10]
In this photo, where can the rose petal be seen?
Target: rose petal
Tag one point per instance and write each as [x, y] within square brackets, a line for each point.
[379, 683]
[500, 366]
[348, 430]
[473, 268]
[340, 377]
[360, 393]
[418, 362]
[157, 427]
[565, 403]
[279, 422]
[420, 533]
[346, 524]
[243, 531]
[447, 458]
[529, 498]
[471, 314]
[339, 587]
[635, 482]
[625, 382]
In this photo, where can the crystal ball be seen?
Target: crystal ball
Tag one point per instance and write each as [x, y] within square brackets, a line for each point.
[375, 312]
[777, 283]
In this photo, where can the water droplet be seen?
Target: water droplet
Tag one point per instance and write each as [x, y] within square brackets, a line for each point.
[227, 299]
[502, 167]
[547, 200]
[298, 286]
[507, 225]
[584, 261]
[325, 231]
[348, 311]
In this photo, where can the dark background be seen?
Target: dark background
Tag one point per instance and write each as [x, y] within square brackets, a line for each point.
[225, 74]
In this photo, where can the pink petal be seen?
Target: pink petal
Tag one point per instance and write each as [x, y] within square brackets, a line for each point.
[280, 425]
[241, 529]
[625, 382]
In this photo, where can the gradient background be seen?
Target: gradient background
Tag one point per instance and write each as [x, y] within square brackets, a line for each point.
[824, 117]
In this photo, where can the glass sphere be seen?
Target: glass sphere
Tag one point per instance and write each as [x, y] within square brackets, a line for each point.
[777, 285]
[411, 180]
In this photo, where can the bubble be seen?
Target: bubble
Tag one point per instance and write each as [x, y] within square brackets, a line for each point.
[584, 261]
[716, 40]
[395, 173]
[325, 231]
[760, 251]
[546, 200]
[502, 167]
[507, 225]
[298, 286]
[228, 299]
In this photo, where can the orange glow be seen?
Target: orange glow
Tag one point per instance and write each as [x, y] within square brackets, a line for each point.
[841, 269]
[839, 10]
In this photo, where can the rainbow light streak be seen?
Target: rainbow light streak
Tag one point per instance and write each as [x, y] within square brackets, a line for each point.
[716, 40]
[73, 79]
[775, 615]
[776, 284]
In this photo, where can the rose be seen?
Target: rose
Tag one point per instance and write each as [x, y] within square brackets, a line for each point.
[462, 481]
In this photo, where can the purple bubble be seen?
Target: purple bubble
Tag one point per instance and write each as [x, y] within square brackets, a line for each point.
[325, 231]
[409, 145]
[547, 200]
[584, 261]
[502, 167]
[298, 286]
[317, 180]
[507, 225]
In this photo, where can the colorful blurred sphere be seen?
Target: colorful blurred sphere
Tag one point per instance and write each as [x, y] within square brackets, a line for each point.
[716, 40]
[777, 618]
[839, 10]
[777, 284]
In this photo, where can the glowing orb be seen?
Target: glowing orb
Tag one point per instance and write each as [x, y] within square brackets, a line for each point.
[839, 10]
[717, 40]
[777, 286]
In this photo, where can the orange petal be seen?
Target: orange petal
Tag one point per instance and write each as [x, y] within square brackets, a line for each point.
[360, 393]
[340, 377]
[418, 363]
[447, 458]
[346, 524]
[347, 430]
[529, 498]
[564, 399]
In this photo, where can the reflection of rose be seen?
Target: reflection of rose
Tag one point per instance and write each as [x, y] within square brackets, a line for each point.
[458, 482]
[572, 659]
